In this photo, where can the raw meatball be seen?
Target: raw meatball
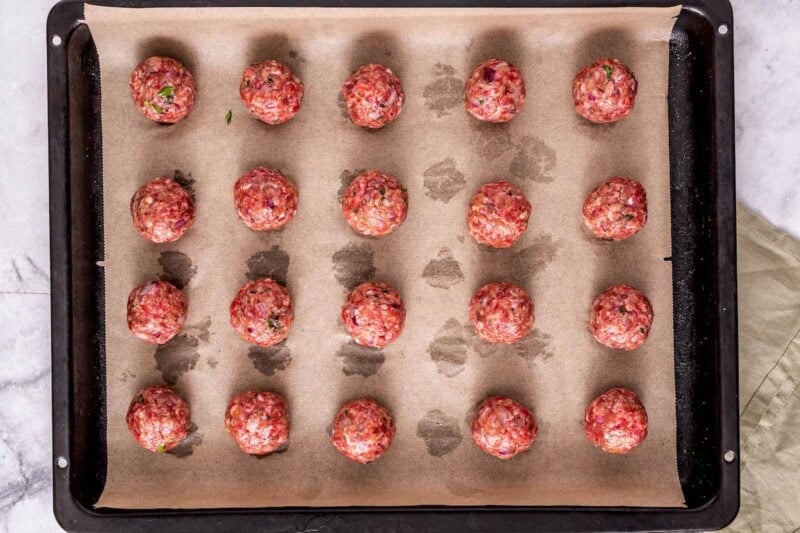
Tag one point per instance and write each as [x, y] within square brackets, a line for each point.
[374, 96]
[271, 92]
[503, 427]
[375, 204]
[498, 214]
[156, 311]
[501, 313]
[261, 312]
[158, 419]
[604, 91]
[616, 209]
[363, 430]
[162, 89]
[162, 210]
[264, 199]
[621, 318]
[495, 91]
[258, 422]
[616, 421]
[374, 314]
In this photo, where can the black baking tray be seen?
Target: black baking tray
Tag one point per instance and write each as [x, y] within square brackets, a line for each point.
[703, 258]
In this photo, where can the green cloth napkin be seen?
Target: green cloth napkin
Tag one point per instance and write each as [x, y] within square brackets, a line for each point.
[769, 374]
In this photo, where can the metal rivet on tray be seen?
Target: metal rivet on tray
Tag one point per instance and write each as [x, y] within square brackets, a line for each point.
[729, 456]
[723, 29]
[56, 40]
[62, 462]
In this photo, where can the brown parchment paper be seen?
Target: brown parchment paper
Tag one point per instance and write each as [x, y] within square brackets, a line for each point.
[432, 377]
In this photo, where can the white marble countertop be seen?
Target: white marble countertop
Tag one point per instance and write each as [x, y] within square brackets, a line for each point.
[768, 168]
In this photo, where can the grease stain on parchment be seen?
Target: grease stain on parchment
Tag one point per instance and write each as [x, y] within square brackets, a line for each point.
[445, 92]
[593, 131]
[489, 140]
[524, 264]
[342, 105]
[296, 57]
[454, 341]
[462, 490]
[346, 178]
[272, 263]
[123, 378]
[531, 157]
[443, 180]
[212, 363]
[177, 357]
[360, 360]
[353, 264]
[185, 180]
[272, 360]
[177, 268]
[449, 347]
[533, 160]
[440, 433]
[533, 348]
[444, 271]
[200, 329]
[187, 445]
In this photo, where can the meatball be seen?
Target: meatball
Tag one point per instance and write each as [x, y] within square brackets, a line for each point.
[264, 199]
[616, 210]
[162, 210]
[156, 311]
[495, 91]
[158, 419]
[503, 427]
[271, 92]
[261, 312]
[604, 91]
[621, 318]
[374, 314]
[616, 421]
[501, 313]
[363, 430]
[498, 214]
[375, 204]
[162, 89]
[258, 422]
[374, 96]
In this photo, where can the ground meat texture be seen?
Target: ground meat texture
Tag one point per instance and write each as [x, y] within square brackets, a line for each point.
[158, 419]
[616, 421]
[375, 204]
[374, 314]
[495, 91]
[503, 427]
[162, 210]
[156, 311]
[621, 318]
[498, 214]
[616, 210]
[258, 422]
[374, 96]
[264, 199]
[261, 312]
[163, 89]
[501, 313]
[604, 91]
[271, 92]
[363, 430]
